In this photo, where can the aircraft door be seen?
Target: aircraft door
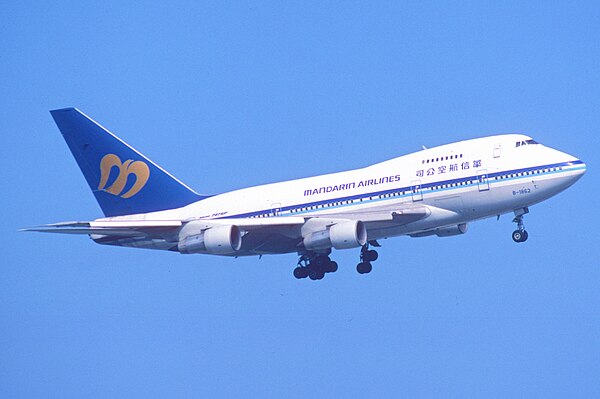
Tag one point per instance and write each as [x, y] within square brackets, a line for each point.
[276, 209]
[497, 150]
[482, 180]
[417, 193]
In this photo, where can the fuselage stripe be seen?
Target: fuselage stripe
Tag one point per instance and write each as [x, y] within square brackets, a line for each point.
[408, 191]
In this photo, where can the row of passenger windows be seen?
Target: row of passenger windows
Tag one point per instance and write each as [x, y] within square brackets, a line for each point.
[446, 158]
[401, 193]
[462, 183]
[531, 172]
[346, 202]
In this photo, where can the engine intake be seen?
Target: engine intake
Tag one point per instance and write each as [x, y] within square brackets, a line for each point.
[220, 240]
[344, 235]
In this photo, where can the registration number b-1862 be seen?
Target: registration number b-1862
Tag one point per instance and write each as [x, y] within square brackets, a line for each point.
[522, 191]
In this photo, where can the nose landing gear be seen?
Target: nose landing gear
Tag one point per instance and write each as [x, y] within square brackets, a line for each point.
[520, 235]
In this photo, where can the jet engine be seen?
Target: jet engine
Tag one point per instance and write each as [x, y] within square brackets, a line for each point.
[218, 240]
[343, 235]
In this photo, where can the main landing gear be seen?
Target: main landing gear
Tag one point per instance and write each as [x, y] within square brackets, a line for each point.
[366, 257]
[520, 235]
[314, 266]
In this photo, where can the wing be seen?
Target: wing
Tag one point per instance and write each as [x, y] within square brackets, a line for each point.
[135, 228]
[260, 236]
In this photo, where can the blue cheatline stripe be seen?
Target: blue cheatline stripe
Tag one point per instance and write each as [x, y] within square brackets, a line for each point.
[404, 192]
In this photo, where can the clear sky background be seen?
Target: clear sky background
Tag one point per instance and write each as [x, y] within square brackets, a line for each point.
[228, 96]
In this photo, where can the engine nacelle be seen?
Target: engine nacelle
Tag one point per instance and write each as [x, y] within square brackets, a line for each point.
[451, 230]
[219, 240]
[344, 235]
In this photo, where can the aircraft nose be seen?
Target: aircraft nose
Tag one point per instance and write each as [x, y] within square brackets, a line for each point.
[581, 166]
[579, 169]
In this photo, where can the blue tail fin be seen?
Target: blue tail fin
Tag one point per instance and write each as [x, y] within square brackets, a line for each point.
[123, 180]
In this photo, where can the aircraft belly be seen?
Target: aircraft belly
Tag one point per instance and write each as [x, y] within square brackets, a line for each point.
[257, 242]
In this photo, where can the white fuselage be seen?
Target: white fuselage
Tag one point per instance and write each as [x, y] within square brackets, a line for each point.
[457, 182]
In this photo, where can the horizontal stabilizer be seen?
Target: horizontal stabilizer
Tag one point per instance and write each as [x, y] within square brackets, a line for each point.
[112, 228]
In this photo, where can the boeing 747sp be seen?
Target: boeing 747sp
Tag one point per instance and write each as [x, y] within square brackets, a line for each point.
[436, 191]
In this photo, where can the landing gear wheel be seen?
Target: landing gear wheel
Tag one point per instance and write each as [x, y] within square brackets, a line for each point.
[316, 274]
[520, 235]
[332, 267]
[364, 267]
[314, 266]
[370, 256]
[321, 261]
[300, 272]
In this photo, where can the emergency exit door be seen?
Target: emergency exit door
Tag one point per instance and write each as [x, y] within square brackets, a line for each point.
[417, 193]
[483, 180]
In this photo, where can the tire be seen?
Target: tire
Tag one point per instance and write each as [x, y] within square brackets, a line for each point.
[300, 272]
[364, 267]
[332, 267]
[517, 236]
[371, 256]
[321, 261]
[368, 267]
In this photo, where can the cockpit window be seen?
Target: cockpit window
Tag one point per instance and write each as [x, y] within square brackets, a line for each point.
[525, 142]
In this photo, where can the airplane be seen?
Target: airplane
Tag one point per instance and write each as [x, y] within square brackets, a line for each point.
[433, 192]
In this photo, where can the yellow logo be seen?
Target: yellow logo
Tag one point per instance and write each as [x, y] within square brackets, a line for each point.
[138, 168]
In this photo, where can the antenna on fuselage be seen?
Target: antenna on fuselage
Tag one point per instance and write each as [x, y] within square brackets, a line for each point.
[424, 148]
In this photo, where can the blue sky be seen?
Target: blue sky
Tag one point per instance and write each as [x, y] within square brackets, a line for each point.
[226, 96]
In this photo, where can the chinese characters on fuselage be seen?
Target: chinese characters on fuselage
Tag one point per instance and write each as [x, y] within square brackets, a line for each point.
[454, 167]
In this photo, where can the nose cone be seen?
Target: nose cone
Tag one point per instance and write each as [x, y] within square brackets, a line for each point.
[578, 169]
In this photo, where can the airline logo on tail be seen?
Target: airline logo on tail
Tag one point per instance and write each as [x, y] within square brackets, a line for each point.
[138, 168]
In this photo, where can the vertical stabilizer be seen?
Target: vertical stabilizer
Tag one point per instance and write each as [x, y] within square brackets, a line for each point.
[123, 180]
